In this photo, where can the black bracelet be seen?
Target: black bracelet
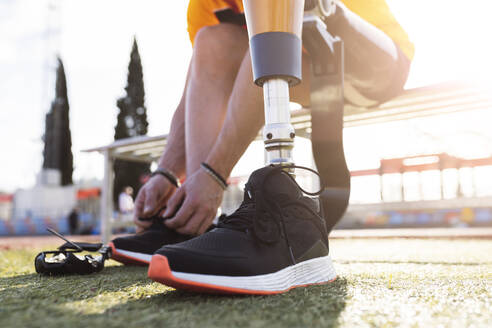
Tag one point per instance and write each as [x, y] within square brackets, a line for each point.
[167, 174]
[216, 176]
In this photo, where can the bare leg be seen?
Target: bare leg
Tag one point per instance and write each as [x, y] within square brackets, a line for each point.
[217, 56]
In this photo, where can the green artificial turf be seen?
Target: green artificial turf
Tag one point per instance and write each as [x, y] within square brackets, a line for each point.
[382, 283]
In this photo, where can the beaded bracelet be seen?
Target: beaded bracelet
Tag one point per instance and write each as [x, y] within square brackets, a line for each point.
[216, 176]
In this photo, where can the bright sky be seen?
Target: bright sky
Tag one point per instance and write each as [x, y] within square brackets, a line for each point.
[94, 40]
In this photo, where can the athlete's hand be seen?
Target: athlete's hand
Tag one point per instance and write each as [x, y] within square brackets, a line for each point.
[200, 196]
[152, 197]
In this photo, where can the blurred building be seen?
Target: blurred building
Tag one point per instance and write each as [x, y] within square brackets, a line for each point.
[47, 199]
[6, 206]
[47, 205]
[427, 190]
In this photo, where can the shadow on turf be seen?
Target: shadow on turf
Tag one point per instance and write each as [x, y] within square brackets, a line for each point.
[78, 287]
[311, 306]
[315, 306]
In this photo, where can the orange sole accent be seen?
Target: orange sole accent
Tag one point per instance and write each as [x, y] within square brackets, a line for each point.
[125, 259]
[160, 271]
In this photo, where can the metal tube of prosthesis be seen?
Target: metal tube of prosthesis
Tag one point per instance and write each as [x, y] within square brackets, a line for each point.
[275, 29]
[278, 133]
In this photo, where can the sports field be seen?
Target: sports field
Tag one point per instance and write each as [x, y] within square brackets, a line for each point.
[382, 283]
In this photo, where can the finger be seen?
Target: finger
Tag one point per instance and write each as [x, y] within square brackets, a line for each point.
[182, 216]
[173, 203]
[161, 211]
[137, 213]
[193, 225]
[142, 224]
[139, 204]
[150, 205]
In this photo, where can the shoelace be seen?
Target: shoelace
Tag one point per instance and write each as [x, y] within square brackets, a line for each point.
[263, 215]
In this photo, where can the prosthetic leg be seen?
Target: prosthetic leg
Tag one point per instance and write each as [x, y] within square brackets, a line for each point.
[274, 29]
[376, 71]
[275, 240]
[276, 52]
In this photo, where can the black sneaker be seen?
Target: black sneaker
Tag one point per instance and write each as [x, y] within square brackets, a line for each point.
[274, 242]
[138, 249]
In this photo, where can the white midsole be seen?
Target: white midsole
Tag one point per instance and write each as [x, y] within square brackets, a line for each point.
[313, 271]
[139, 256]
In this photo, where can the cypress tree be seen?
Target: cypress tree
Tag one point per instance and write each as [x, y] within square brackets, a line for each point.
[132, 121]
[57, 138]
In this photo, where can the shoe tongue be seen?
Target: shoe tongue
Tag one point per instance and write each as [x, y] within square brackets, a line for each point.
[274, 182]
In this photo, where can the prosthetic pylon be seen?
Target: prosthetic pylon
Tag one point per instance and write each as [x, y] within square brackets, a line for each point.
[275, 32]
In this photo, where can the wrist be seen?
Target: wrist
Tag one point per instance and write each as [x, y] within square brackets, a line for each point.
[220, 180]
[172, 165]
[220, 167]
[166, 174]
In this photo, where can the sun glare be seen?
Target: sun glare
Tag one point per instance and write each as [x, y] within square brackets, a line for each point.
[451, 38]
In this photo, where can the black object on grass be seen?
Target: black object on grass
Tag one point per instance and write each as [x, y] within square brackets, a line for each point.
[64, 261]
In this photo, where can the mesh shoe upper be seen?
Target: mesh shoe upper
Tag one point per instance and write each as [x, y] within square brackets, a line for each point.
[275, 226]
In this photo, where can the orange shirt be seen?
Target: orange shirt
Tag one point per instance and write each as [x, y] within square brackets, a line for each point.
[207, 12]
